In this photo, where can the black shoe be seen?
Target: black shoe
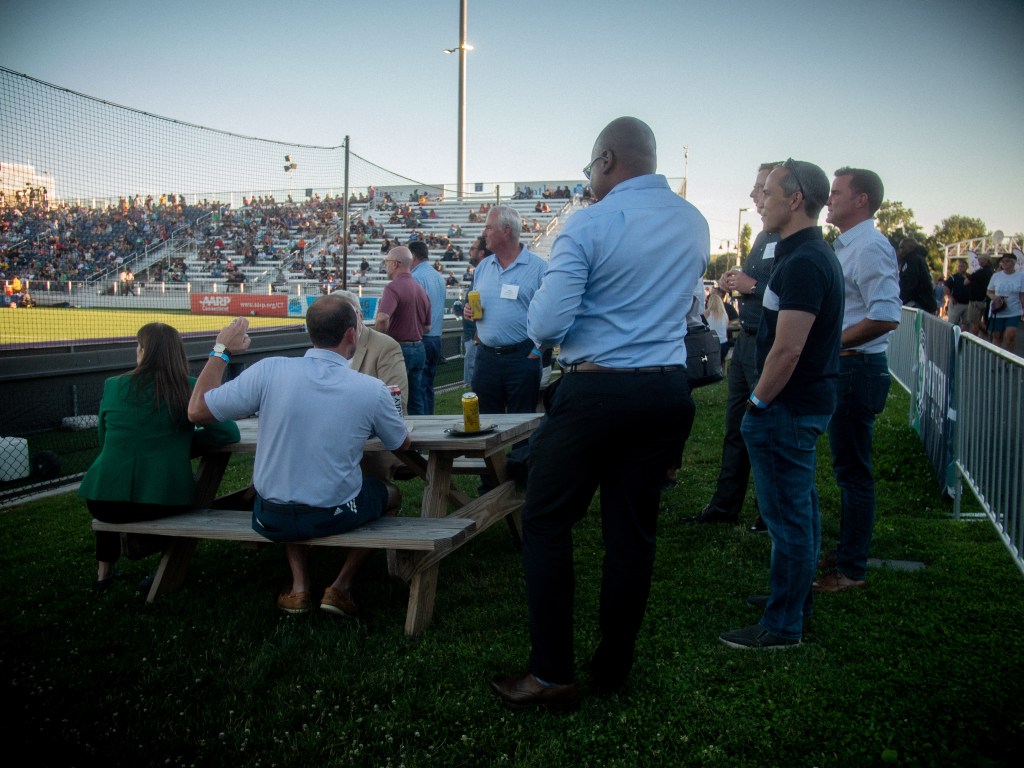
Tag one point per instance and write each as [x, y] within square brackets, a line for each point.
[757, 638]
[757, 601]
[759, 526]
[712, 514]
[523, 691]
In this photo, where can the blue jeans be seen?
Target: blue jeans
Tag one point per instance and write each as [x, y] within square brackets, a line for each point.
[415, 358]
[469, 362]
[432, 351]
[782, 445]
[863, 386]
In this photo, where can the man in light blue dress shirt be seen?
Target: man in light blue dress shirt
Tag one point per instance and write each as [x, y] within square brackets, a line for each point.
[507, 375]
[872, 295]
[433, 284]
[615, 297]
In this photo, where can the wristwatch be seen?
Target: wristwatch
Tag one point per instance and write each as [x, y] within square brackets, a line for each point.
[219, 350]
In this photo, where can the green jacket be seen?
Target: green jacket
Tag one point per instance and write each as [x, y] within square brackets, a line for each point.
[144, 454]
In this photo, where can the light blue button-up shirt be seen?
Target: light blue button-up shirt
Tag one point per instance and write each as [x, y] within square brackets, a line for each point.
[433, 284]
[621, 278]
[872, 280]
[505, 296]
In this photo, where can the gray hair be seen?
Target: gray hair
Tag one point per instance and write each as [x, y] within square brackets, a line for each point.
[509, 217]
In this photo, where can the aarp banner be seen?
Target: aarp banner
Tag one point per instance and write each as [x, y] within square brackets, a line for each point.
[239, 304]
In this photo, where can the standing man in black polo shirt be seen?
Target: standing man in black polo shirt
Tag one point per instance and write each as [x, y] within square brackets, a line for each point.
[751, 282]
[959, 294]
[795, 395]
[977, 283]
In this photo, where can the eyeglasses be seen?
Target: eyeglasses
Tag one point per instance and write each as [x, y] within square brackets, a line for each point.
[590, 165]
[790, 165]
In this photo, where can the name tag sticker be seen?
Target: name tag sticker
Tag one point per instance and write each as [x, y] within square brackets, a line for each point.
[510, 292]
[769, 252]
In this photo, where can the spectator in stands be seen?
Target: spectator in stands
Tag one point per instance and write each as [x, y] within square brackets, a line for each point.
[404, 315]
[143, 470]
[433, 285]
[307, 477]
[1006, 290]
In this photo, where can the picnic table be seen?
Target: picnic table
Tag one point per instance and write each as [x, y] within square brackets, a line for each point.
[415, 546]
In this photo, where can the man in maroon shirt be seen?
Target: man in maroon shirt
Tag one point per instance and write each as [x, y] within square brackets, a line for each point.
[404, 315]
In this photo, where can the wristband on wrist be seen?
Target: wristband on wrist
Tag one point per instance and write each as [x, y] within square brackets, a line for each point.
[536, 352]
[222, 355]
[758, 403]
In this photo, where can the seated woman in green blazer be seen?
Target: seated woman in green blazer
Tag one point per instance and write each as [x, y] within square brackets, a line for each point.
[143, 471]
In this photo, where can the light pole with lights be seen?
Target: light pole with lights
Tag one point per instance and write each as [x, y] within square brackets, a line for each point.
[462, 48]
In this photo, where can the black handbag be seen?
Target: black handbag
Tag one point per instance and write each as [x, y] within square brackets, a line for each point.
[703, 355]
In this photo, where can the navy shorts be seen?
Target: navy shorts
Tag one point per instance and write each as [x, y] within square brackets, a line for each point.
[296, 522]
[1000, 324]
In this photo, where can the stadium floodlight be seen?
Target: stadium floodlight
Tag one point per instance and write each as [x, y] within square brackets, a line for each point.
[462, 47]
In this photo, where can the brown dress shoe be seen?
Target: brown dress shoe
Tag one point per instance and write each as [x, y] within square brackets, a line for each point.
[523, 691]
[339, 603]
[836, 581]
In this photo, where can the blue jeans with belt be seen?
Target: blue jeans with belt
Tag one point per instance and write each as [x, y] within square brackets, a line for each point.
[415, 360]
[863, 386]
[782, 444]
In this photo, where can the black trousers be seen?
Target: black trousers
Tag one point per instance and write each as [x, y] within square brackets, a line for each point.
[619, 432]
[108, 544]
[734, 475]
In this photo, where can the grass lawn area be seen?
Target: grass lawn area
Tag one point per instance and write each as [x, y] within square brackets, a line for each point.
[918, 669]
[48, 324]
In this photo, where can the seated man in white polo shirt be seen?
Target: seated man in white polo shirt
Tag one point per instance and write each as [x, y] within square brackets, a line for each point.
[315, 413]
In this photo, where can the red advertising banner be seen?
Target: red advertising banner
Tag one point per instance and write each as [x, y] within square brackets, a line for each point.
[239, 304]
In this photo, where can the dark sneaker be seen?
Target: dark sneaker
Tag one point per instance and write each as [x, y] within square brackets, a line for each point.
[759, 526]
[712, 514]
[757, 637]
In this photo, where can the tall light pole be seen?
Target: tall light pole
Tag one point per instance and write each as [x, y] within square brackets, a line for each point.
[739, 236]
[686, 170]
[462, 48]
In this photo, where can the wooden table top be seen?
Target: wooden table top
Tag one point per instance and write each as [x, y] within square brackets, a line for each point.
[428, 433]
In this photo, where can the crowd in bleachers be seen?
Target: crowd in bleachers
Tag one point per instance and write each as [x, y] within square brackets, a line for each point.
[44, 241]
[262, 241]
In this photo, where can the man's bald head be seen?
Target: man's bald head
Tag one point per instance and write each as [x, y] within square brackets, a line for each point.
[399, 260]
[632, 141]
[624, 150]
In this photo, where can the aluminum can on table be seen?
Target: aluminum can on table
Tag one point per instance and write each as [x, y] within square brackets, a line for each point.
[471, 412]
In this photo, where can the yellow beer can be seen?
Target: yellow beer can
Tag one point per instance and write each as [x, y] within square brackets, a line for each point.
[474, 302]
[471, 412]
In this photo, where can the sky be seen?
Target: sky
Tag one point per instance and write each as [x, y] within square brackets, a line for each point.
[928, 93]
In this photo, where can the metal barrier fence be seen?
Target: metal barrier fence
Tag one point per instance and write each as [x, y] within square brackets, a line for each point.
[967, 404]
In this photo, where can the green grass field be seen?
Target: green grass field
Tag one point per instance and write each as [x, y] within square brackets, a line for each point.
[49, 324]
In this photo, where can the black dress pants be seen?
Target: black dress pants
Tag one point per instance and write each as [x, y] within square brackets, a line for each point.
[619, 432]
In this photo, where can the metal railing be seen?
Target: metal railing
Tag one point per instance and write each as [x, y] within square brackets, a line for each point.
[967, 404]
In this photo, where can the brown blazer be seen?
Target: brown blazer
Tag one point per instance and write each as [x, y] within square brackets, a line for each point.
[380, 356]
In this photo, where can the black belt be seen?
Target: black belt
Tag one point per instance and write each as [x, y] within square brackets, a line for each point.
[522, 346]
[410, 343]
[586, 367]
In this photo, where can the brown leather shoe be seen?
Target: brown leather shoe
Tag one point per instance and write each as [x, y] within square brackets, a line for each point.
[836, 581]
[339, 603]
[293, 602]
[523, 691]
